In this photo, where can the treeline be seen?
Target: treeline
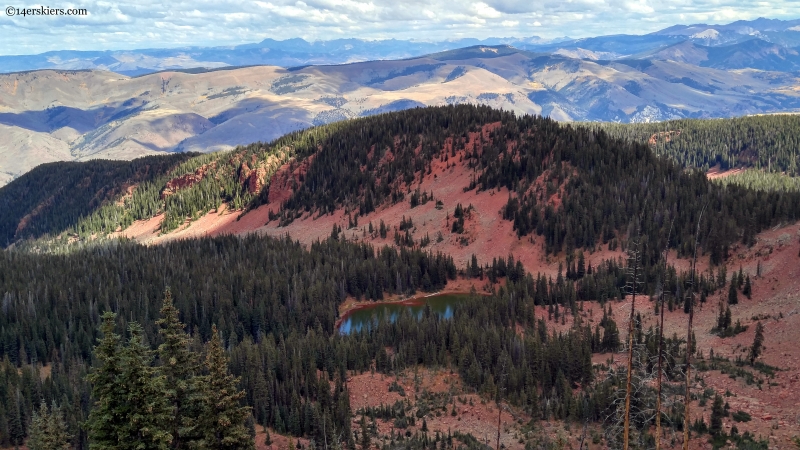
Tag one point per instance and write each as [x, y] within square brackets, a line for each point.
[766, 142]
[55, 196]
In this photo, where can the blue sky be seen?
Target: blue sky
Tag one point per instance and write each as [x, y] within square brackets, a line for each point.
[128, 24]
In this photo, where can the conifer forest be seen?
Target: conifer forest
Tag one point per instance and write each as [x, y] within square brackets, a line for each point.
[106, 342]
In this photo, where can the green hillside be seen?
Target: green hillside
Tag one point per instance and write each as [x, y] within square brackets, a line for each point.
[770, 142]
[55, 196]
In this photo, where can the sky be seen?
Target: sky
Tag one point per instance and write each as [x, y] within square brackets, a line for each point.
[124, 24]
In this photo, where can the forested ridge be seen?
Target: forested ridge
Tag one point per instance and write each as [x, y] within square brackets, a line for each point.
[607, 183]
[363, 164]
[54, 196]
[767, 142]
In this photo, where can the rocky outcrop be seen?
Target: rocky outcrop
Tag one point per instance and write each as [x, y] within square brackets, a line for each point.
[184, 181]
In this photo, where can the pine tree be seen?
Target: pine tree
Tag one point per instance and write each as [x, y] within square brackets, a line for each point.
[179, 368]
[48, 430]
[38, 430]
[632, 287]
[740, 279]
[146, 409]
[716, 416]
[748, 289]
[366, 442]
[16, 425]
[733, 296]
[758, 344]
[59, 437]
[105, 417]
[222, 422]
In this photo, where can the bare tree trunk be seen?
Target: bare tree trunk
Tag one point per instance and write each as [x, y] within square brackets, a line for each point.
[499, 412]
[500, 390]
[661, 343]
[689, 345]
[633, 268]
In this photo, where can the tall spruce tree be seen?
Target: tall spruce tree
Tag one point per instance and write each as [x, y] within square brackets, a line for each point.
[179, 366]
[758, 344]
[222, 422]
[105, 417]
[717, 413]
[145, 408]
[748, 289]
[733, 295]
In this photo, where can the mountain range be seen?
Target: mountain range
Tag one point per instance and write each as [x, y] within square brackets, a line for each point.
[296, 51]
[92, 106]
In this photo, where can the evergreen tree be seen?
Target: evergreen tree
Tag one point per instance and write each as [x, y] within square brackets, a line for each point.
[740, 279]
[16, 424]
[366, 442]
[48, 430]
[733, 295]
[748, 289]
[758, 344]
[179, 368]
[106, 418]
[717, 412]
[145, 406]
[222, 422]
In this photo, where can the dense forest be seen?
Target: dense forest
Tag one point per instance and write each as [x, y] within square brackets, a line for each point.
[270, 293]
[55, 196]
[275, 304]
[759, 180]
[767, 142]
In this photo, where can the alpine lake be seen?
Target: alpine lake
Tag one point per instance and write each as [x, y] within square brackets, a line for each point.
[364, 316]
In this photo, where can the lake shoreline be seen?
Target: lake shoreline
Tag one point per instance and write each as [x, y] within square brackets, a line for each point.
[455, 287]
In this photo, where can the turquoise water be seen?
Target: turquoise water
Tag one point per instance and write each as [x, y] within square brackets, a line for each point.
[357, 319]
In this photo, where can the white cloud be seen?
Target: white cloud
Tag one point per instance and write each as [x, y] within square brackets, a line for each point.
[129, 24]
[485, 11]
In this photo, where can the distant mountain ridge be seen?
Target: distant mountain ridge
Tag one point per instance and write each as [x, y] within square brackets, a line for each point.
[298, 52]
[199, 99]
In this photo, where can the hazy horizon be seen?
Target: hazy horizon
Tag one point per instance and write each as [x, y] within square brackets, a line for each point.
[130, 25]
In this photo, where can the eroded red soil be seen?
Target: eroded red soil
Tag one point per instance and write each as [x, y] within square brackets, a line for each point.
[775, 301]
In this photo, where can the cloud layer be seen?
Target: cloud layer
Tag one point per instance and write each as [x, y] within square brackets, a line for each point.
[130, 24]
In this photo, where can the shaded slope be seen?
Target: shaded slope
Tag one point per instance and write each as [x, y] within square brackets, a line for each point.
[752, 53]
[53, 197]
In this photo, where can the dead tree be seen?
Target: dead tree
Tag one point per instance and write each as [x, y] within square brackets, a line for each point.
[632, 287]
[661, 341]
[642, 399]
[500, 390]
[689, 343]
